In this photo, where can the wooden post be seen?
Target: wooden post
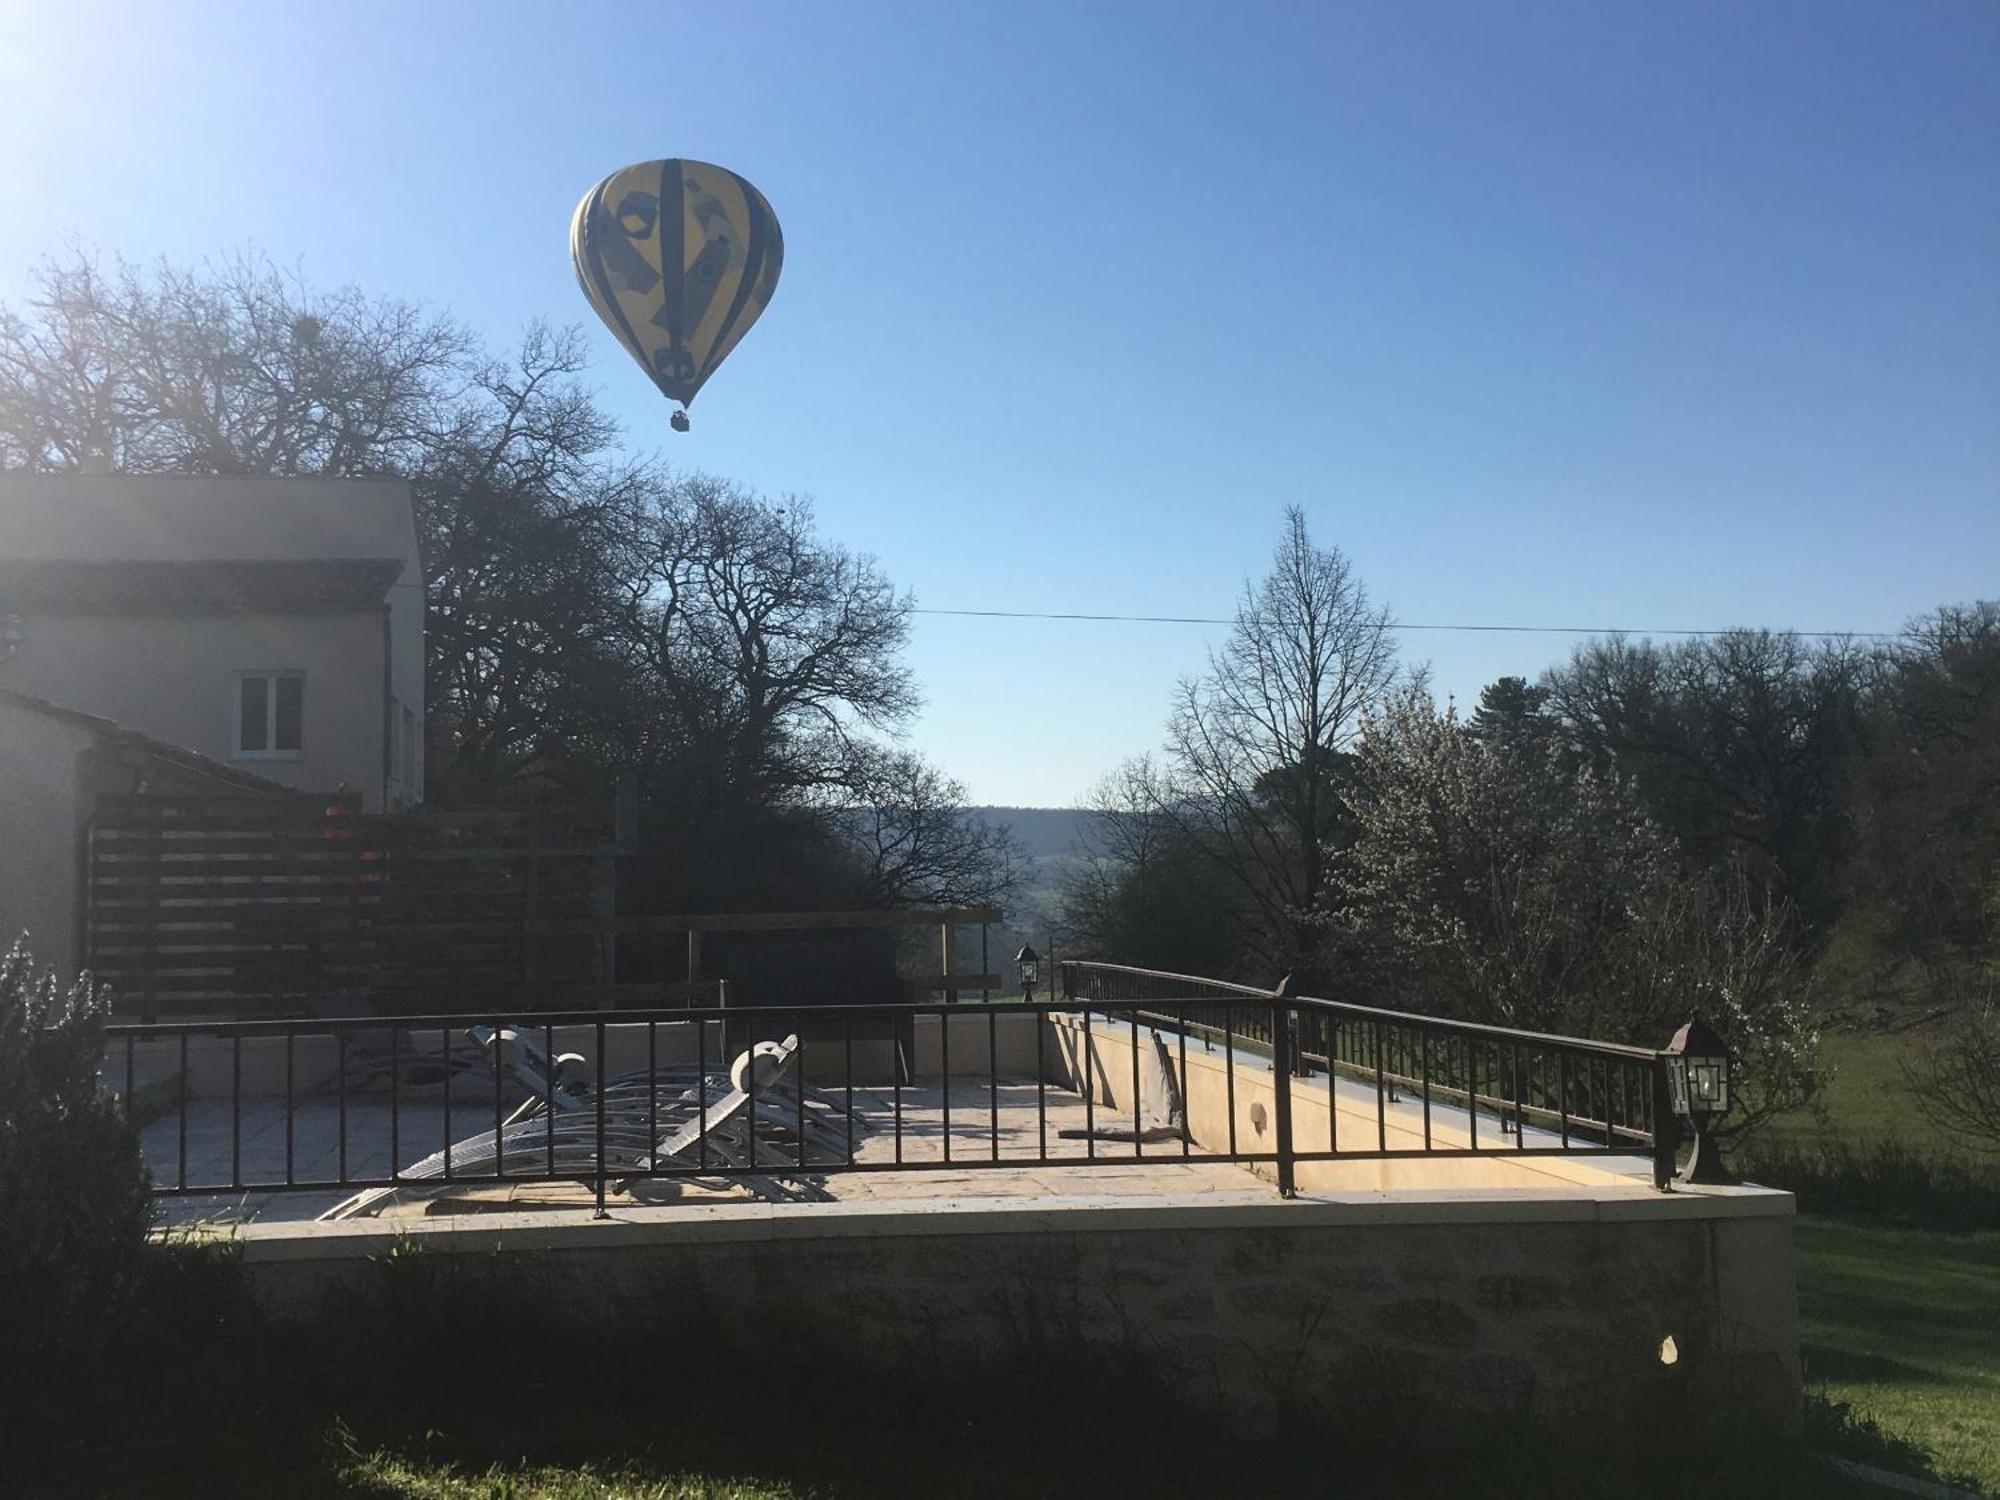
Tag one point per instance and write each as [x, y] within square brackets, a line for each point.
[694, 954]
[948, 952]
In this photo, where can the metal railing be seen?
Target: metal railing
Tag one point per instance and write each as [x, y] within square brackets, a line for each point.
[1539, 1094]
[375, 1106]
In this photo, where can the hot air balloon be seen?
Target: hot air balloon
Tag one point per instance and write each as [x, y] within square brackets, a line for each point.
[678, 258]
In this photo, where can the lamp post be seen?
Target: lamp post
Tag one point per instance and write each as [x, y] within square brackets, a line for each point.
[1031, 970]
[1698, 1084]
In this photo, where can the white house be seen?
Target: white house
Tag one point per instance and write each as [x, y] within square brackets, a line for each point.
[273, 625]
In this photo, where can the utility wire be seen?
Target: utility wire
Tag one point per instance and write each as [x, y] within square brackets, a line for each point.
[1035, 614]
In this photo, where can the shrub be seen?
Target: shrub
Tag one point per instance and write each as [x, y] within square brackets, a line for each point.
[75, 1200]
[1883, 1179]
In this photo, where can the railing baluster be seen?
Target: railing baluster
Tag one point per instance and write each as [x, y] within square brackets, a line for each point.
[1381, 1095]
[1471, 1051]
[1520, 1111]
[604, 1077]
[291, 1105]
[1181, 1085]
[498, 1162]
[1281, 1082]
[701, 1089]
[395, 1102]
[1089, 1092]
[236, 1110]
[1562, 1093]
[1332, 1084]
[1041, 1086]
[340, 1067]
[1138, 1122]
[444, 1062]
[1425, 1041]
[181, 1168]
[1229, 1070]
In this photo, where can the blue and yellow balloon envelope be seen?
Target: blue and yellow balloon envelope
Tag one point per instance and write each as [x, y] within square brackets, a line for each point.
[678, 258]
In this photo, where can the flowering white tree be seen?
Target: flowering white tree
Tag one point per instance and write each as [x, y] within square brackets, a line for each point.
[1493, 881]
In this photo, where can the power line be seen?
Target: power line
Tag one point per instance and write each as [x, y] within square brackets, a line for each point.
[1036, 614]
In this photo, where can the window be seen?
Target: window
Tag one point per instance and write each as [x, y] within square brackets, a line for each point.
[270, 714]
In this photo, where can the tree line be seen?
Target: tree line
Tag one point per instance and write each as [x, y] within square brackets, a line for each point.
[591, 612]
[1763, 828]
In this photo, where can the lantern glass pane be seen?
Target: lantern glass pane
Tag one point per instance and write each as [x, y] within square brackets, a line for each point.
[1677, 1085]
[1705, 1083]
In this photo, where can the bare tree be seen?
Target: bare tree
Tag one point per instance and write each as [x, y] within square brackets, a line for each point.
[1256, 744]
[223, 368]
[777, 649]
[520, 519]
[1141, 890]
[1956, 1077]
[917, 843]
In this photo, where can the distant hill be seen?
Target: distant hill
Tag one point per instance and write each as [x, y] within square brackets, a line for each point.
[1051, 831]
[1049, 838]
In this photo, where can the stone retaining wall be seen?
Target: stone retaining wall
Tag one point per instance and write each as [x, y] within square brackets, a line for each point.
[1249, 1308]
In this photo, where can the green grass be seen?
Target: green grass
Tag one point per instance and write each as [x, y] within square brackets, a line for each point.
[1904, 1326]
[1901, 1315]
[391, 1477]
[1866, 1100]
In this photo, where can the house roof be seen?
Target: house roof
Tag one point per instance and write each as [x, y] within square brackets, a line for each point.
[111, 733]
[221, 586]
[169, 518]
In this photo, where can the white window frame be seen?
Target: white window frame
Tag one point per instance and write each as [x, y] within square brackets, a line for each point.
[271, 676]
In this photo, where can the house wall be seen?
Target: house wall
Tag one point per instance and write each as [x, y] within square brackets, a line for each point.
[173, 519]
[38, 833]
[174, 678]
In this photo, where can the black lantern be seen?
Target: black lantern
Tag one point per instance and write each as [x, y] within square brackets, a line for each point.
[1698, 1085]
[1031, 970]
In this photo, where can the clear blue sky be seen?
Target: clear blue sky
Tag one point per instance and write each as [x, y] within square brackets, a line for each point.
[1599, 314]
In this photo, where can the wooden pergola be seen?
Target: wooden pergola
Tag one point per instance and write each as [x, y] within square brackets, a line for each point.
[947, 919]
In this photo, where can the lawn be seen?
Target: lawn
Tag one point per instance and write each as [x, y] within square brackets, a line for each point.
[1866, 1100]
[1901, 1320]
[1904, 1325]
